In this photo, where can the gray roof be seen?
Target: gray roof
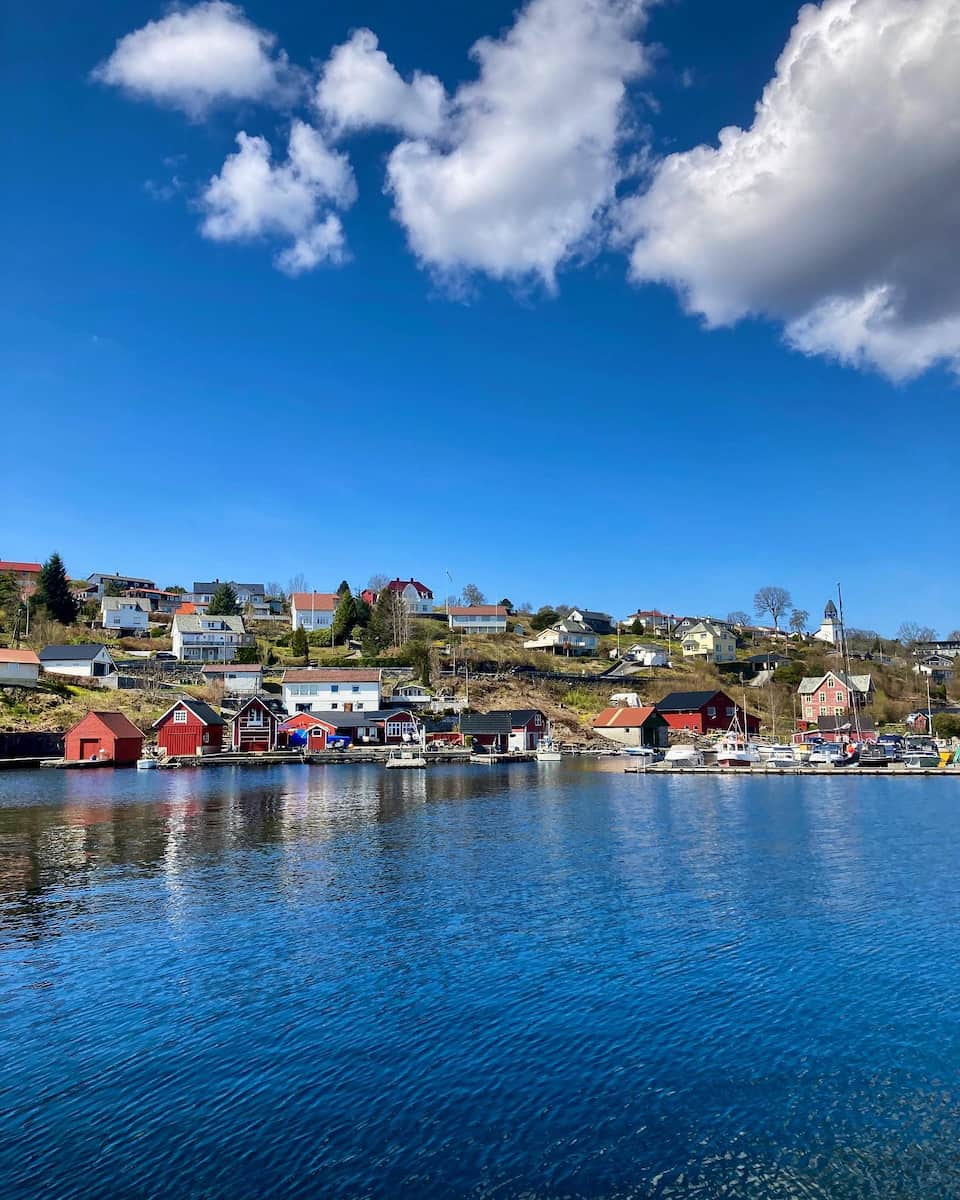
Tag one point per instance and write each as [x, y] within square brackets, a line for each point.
[501, 720]
[85, 650]
[193, 623]
[686, 701]
[350, 720]
[257, 589]
[836, 724]
[569, 625]
[109, 603]
[857, 683]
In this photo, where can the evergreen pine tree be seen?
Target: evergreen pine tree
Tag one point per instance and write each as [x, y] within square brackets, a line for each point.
[343, 589]
[9, 601]
[223, 603]
[380, 625]
[299, 644]
[345, 616]
[53, 591]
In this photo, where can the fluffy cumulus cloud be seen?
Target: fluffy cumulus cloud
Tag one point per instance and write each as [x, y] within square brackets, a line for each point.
[518, 176]
[253, 198]
[838, 211]
[194, 58]
[359, 88]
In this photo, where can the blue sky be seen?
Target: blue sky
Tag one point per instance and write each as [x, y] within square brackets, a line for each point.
[186, 409]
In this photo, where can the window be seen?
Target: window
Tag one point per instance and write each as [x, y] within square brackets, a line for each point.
[839, 697]
[334, 687]
[838, 712]
[823, 697]
[356, 687]
[731, 710]
[333, 704]
[180, 717]
[711, 711]
[255, 716]
[358, 705]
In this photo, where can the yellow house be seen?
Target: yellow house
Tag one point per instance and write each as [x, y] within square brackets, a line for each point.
[709, 642]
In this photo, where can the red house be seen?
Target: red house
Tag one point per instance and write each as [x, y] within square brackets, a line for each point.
[107, 736]
[304, 732]
[701, 712]
[190, 727]
[254, 728]
[505, 729]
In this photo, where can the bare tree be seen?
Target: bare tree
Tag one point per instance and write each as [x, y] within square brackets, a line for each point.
[377, 582]
[773, 600]
[298, 583]
[798, 620]
[910, 633]
[738, 617]
[274, 589]
[472, 595]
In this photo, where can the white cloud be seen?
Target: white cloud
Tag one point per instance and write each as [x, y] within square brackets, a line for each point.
[253, 198]
[837, 211]
[519, 176]
[359, 88]
[197, 57]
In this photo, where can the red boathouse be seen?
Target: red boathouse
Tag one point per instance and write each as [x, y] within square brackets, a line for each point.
[107, 736]
[190, 727]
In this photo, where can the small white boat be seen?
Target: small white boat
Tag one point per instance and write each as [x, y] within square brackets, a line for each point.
[548, 751]
[146, 764]
[684, 756]
[410, 757]
[781, 758]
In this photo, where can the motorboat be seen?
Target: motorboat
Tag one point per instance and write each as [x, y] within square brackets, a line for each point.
[781, 758]
[874, 754]
[643, 757]
[146, 764]
[684, 756]
[736, 751]
[548, 751]
[920, 760]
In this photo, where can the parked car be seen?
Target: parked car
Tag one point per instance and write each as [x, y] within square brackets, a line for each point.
[165, 656]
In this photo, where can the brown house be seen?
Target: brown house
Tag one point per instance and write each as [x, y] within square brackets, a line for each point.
[253, 729]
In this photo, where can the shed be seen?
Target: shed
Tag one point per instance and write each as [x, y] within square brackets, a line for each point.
[632, 726]
[19, 668]
[108, 736]
[190, 727]
[253, 728]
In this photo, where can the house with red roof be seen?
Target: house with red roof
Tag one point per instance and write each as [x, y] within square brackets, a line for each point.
[105, 737]
[636, 726]
[27, 574]
[478, 618]
[19, 668]
[332, 689]
[313, 610]
[416, 595]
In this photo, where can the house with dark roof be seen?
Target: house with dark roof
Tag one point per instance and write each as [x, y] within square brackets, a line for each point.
[599, 622]
[847, 728]
[190, 727]
[702, 712]
[87, 659]
[633, 726]
[103, 736]
[386, 727]
[505, 729]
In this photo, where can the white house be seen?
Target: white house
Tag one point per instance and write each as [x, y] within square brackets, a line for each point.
[478, 618]
[415, 595]
[124, 615]
[332, 689]
[237, 679]
[97, 582]
[201, 638]
[19, 668]
[251, 598]
[410, 694]
[645, 656]
[568, 636]
[313, 610]
[89, 659]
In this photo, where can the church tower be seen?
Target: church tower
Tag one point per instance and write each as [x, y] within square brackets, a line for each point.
[829, 630]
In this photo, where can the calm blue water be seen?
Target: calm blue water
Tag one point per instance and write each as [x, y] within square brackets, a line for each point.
[521, 982]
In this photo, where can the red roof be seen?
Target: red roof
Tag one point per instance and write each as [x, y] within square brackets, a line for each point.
[324, 601]
[397, 585]
[33, 568]
[186, 609]
[230, 669]
[20, 656]
[623, 718]
[333, 675]
[478, 610]
[116, 722]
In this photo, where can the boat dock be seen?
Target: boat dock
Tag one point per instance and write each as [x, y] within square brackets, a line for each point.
[760, 772]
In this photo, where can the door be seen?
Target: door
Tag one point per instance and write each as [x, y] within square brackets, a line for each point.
[89, 748]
